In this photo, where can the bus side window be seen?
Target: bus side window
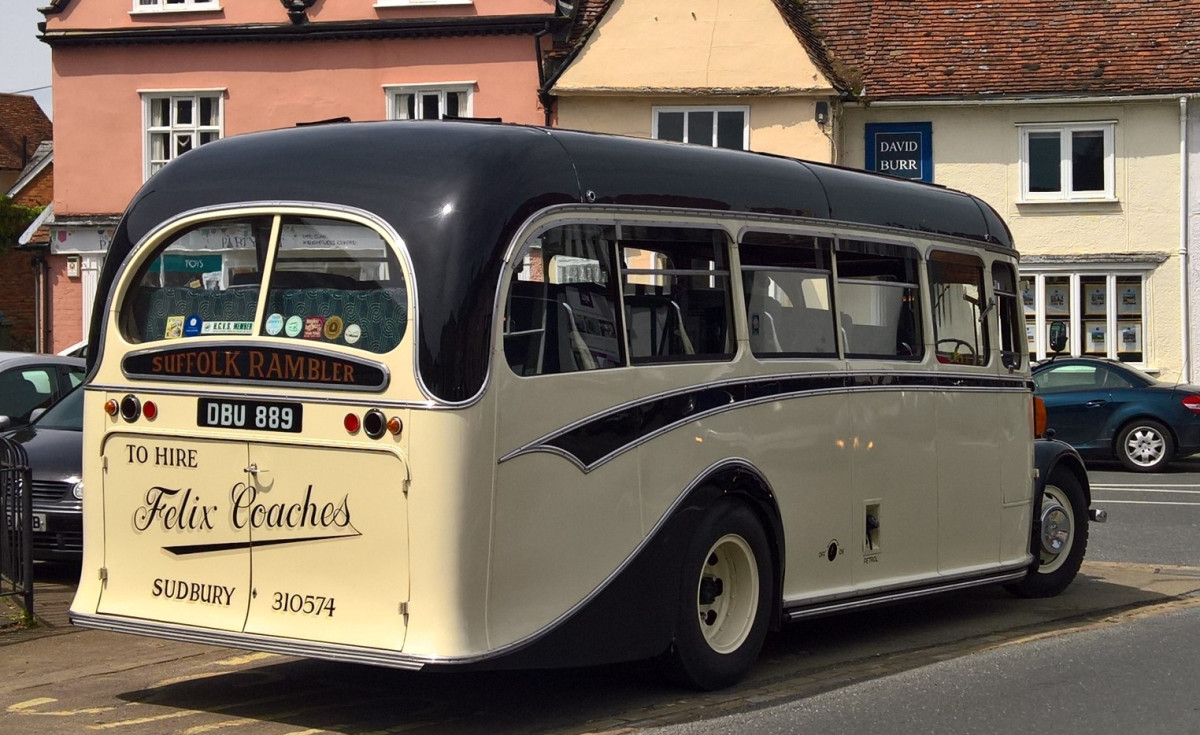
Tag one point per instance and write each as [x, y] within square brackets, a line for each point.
[787, 281]
[959, 304]
[878, 298]
[1013, 342]
[677, 295]
[561, 313]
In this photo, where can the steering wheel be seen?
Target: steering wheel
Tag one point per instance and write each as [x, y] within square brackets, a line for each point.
[958, 345]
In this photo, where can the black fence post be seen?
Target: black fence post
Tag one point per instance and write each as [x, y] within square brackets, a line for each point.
[16, 533]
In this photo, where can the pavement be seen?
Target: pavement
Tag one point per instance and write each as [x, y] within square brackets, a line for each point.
[1100, 590]
[60, 679]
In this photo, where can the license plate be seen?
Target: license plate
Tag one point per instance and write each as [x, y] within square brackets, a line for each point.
[39, 521]
[253, 415]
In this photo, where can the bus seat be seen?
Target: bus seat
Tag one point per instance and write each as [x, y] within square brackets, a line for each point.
[764, 339]
[380, 313]
[656, 327]
[153, 306]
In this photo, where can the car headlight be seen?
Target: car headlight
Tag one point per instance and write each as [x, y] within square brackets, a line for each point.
[77, 490]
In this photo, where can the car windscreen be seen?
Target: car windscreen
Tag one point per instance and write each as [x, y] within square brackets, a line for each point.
[67, 413]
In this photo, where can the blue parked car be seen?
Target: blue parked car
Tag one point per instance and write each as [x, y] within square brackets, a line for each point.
[1107, 409]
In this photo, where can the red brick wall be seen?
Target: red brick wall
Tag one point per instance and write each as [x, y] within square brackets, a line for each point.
[17, 289]
[66, 305]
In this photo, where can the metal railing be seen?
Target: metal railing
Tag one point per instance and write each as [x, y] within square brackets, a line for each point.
[16, 528]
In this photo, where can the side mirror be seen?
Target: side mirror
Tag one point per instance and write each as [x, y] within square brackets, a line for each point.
[1058, 336]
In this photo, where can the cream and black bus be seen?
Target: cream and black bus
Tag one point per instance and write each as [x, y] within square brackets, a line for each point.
[463, 394]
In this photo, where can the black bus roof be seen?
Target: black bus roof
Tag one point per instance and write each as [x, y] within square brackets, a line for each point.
[456, 191]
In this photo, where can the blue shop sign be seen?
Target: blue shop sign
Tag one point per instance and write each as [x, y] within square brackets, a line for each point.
[904, 150]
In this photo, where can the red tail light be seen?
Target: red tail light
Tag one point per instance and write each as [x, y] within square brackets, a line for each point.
[1192, 403]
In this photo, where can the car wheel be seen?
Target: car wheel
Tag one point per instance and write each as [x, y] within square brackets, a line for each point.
[1144, 446]
[725, 600]
[1062, 540]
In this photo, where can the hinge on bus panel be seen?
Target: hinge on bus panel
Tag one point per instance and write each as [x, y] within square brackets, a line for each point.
[104, 464]
[103, 574]
[403, 609]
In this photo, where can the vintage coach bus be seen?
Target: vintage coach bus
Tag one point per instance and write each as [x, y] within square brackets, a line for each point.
[460, 394]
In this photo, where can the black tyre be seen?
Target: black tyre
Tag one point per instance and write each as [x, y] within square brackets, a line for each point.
[1144, 446]
[1063, 539]
[725, 600]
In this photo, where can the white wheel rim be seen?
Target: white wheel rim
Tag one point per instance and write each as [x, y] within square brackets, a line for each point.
[1058, 529]
[727, 594]
[1144, 446]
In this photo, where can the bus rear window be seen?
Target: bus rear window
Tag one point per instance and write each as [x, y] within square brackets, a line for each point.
[328, 281]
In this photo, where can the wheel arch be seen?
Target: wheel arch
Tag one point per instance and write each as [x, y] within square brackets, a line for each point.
[1052, 454]
[740, 479]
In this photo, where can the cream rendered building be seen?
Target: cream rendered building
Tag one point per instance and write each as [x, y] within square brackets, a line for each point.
[1081, 146]
[732, 70]
[1107, 263]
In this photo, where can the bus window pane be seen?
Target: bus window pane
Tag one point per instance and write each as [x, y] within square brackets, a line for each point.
[678, 303]
[1009, 311]
[878, 300]
[336, 282]
[788, 284]
[561, 315]
[204, 281]
[958, 303]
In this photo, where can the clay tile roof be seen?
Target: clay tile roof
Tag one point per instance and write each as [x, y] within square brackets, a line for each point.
[1004, 48]
[23, 127]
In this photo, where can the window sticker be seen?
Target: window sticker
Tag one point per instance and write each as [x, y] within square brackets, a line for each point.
[293, 326]
[227, 327]
[193, 325]
[174, 327]
[352, 334]
[274, 324]
[314, 327]
[333, 328]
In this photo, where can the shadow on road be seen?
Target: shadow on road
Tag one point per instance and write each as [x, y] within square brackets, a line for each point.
[802, 660]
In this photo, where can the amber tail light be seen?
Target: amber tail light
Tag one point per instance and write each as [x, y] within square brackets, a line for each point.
[1039, 416]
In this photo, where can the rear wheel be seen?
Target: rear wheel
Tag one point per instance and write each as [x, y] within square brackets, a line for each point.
[727, 586]
[1062, 541]
[1144, 446]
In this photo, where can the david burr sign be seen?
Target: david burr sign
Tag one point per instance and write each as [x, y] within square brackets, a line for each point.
[904, 150]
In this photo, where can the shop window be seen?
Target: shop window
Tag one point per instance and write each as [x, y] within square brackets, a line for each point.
[1103, 312]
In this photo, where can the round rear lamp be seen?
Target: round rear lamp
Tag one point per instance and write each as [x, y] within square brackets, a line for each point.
[395, 426]
[374, 424]
[131, 408]
[111, 407]
[351, 423]
[150, 410]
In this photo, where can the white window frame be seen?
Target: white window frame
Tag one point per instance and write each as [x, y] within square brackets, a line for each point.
[174, 6]
[152, 164]
[714, 109]
[1075, 345]
[394, 93]
[1066, 193]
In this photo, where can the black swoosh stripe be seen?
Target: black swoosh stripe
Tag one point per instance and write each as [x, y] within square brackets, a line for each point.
[612, 432]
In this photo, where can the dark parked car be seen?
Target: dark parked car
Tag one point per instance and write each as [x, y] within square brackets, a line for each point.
[29, 381]
[54, 443]
[1107, 409]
